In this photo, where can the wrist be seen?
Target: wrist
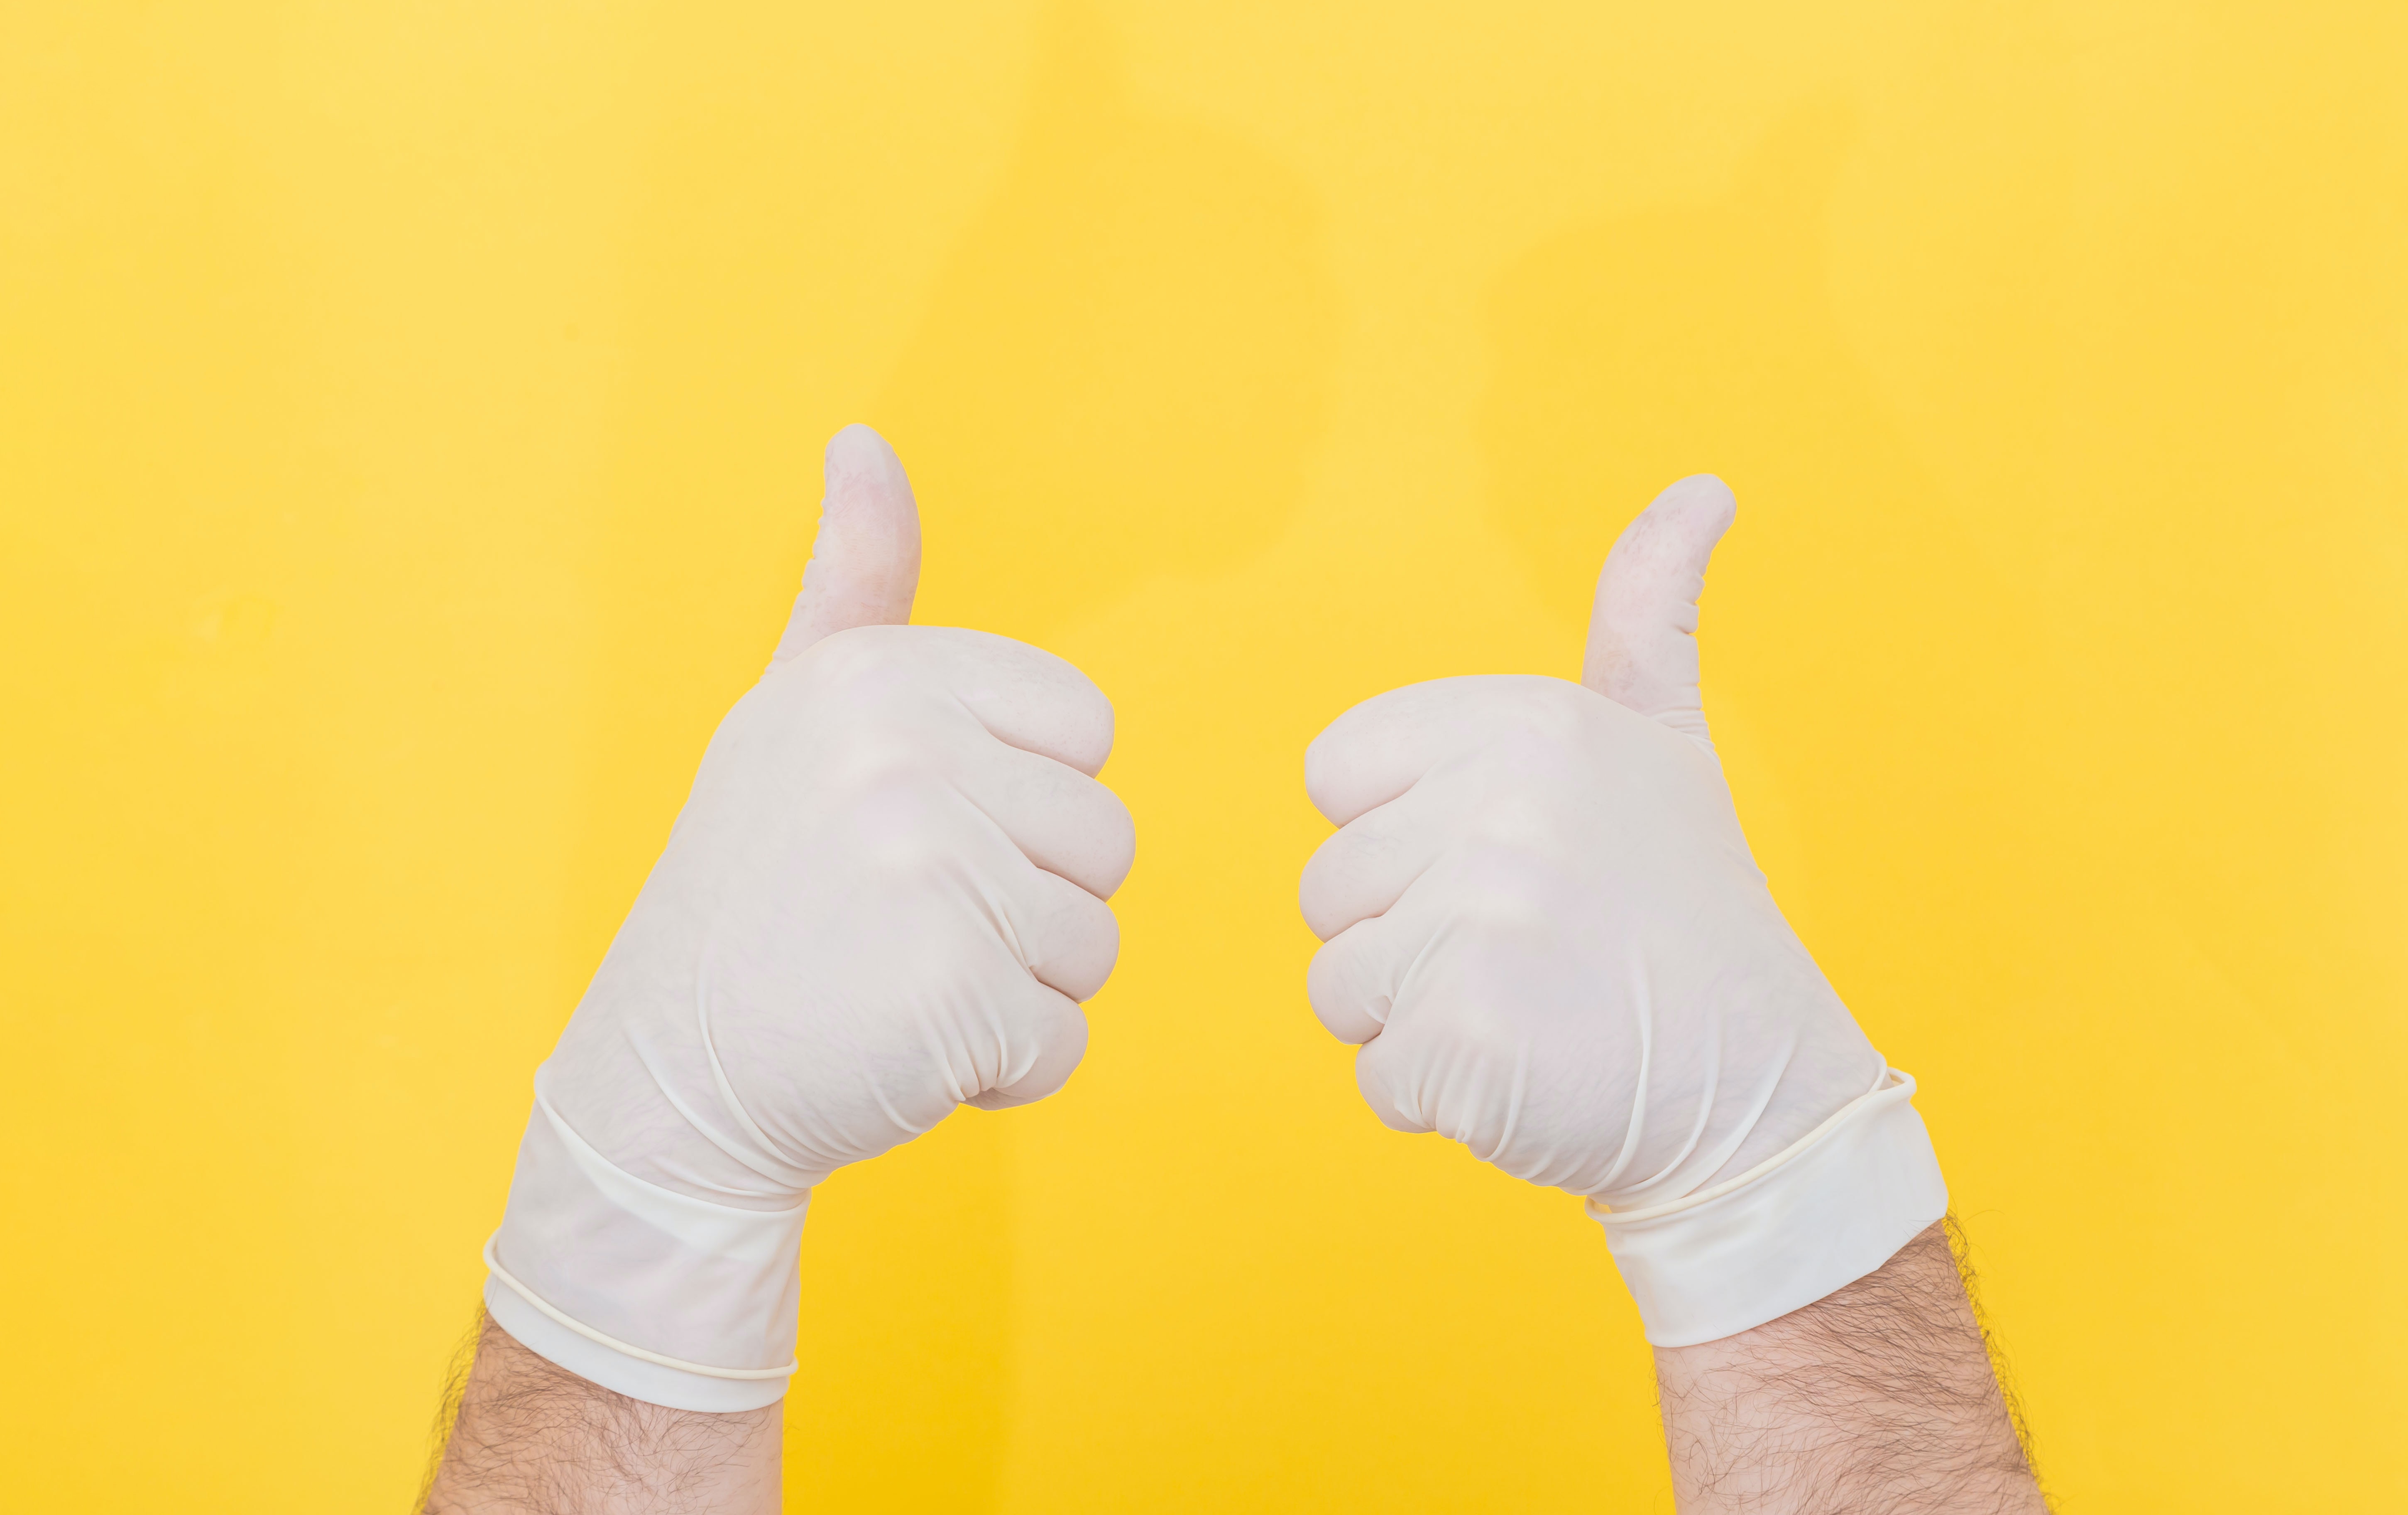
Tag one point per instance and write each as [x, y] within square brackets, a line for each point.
[1815, 1217]
[657, 1294]
[530, 1436]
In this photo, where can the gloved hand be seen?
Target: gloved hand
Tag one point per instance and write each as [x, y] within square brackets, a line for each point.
[883, 898]
[1543, 925]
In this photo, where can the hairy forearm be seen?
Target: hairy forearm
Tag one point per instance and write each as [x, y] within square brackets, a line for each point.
[535, 1439]
[1878, 1399]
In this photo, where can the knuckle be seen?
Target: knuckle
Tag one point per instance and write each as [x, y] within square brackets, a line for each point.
[1094, 843]
[1110, 838]
[1332, 906]
[1331, 975]
[1116, 827]
[1398, 1108]
[1544, 713]
[1508, 873]
[1481, 1037]
[866, 766]
[863, 663]
[899, 818]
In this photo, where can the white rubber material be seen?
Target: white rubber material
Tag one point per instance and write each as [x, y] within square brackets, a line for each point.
[502, 1275]
[633, 1376]
[641, 1288]
[1825, 1211]
[883, 899]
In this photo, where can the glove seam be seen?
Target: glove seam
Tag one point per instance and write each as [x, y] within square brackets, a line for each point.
[1892, 1081]
[561, 1318]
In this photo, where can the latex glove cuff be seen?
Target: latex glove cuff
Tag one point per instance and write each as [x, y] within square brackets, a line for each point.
[1831, 1209]
[658, 1295]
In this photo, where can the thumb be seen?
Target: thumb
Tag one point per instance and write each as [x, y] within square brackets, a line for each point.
[1643, 636]
[866, 560]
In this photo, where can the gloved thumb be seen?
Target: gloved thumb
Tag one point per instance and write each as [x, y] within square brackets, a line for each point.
[1643, 636]
[866, 560]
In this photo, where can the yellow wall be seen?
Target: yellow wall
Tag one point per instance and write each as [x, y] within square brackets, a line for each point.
[409, 430]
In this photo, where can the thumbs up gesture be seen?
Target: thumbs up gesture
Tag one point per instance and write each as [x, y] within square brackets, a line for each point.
[883, 898]
[1542, 927]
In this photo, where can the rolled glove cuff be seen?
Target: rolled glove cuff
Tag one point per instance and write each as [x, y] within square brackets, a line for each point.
[1816, 1217]
[658, 1295]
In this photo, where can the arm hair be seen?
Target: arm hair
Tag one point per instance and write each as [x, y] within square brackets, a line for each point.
[529, 1437]
[1880, 1399]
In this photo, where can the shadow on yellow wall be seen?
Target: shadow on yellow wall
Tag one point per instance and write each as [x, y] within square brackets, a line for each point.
[1163, 278]
[1704, 339]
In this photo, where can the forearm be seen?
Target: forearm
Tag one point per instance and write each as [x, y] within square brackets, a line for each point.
[535, 1439]
[1880, 1397]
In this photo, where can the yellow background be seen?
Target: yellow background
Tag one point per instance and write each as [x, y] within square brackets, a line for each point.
[410, 420]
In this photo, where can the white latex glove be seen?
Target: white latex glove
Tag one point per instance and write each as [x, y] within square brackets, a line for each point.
[1544, 928]
[883, 898]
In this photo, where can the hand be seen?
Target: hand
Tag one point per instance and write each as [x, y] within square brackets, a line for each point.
[884, 898]
[1543, 924]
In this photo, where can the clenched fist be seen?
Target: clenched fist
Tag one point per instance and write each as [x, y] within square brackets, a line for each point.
[1543, 924]
[884, 898]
